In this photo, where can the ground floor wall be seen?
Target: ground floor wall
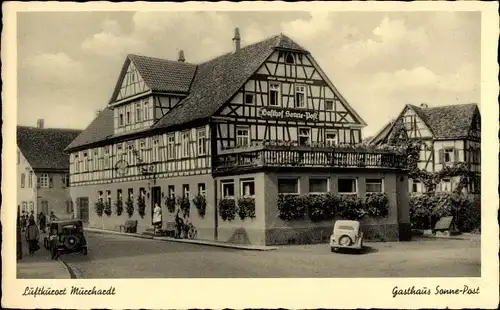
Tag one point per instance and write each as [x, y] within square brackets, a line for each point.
[57, 200]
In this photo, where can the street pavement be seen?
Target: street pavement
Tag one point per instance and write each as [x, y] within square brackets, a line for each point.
[118, 256]
[40, 265]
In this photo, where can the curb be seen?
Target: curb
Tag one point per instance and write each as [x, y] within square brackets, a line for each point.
[72, 274]
[199, 242]
[446, 238]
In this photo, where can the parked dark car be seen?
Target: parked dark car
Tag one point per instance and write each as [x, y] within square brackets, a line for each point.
[70, 237]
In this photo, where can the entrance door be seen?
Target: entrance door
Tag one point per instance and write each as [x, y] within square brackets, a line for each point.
[83, 206]
[155, 198]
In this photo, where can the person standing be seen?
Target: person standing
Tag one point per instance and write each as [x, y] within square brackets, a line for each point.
[42, 220]
[179, 223]
[157, 217]
[32, 236]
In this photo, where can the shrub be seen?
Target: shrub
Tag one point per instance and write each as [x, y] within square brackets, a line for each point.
[377, 204]
[170, 204]
[99, 208]
[227, 209]
[107, 208]
[420, 211]
[184, 205]
[129, 205]
[141, 204]
[469, 216]
[246, 207]
[350, 207]
[291, 207]
[321, 207]
[200, 202]
[119, 206]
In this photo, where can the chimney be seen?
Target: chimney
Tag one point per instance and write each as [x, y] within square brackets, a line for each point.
[236, 40]
[181, 56]
[424, 105]
[39, 123]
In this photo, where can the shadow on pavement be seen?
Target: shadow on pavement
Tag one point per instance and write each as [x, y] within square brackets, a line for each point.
[364, 250]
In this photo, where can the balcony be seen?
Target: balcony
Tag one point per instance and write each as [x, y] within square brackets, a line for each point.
[279, 154]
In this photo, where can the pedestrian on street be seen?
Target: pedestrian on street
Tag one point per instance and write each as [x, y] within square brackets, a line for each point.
[157, 216]
[52, 217]
[179, 223]
[32, 216]
[32, 236]
[53, 243]
[42, 220]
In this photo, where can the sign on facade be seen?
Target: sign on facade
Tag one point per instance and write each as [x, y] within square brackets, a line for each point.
[287, 114]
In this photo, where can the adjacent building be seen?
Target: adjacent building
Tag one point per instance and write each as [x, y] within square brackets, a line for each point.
[257, 122]
[43, 169]
[450, 134]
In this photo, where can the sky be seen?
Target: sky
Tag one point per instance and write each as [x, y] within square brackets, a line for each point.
[69, 62]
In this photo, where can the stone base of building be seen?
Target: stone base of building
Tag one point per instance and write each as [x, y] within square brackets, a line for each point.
[312, 235]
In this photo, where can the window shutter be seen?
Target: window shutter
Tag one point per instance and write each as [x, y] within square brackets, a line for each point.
[441, 156]
[455, 151]
[50, 181]
[38, 182]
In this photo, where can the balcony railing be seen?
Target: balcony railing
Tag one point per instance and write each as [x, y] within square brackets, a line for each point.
[275, 155]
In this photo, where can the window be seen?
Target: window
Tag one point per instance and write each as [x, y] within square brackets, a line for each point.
[248, 98]
[129, 118]
[25, 206]
[131, 193]
[274, 94]
[95, 159]
[247, 188]
[329, 105]
[331, 137]
[69, 206]
[202, 142]
[32, 206]
[289, 59]
[185, 144]
[408, 121]
[171, 191]
[347, 186]
[227, 189]
[242, 136]
[45, 206]
[288, 186]
[23, 180]
[448, 155]
[119, 194]
[156, 150]
[171, 147]
[100, 197]
[446, 185]
[77, 164]
[318, 185]
[108, 197]
[120, 119]
[142, 192]
[201, 189]
[416, 186]
[65, 180]
[374, 186]
[106, 157]
[138, 112]
[304, 136]
[185, 191]
[300, 96]
[85, 162]
[130, 153]
[30, 180]
[44, 180]
[146, 111]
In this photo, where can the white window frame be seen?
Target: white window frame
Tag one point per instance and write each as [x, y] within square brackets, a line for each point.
[319, 178]
[242, 187]
[308, 136]
[223, 185]
[30, 180]
[85, 162]
[356, 187]
[202, 189]
[185, 144]
[23, 180]
[106, 157]
[451, 154]
[44, 180]
[290, 178]
[329, 141]
[129, 117]
[326, 105]
[185, 191]
[443, 185]
[76, 163]
[109, 199]
[138, 113]
[171, 191]
[301, 89]
[171, 146]
[130, 153]
[156, 149]
[240, 138]
[100, 196]
[274, 87]
[415, 186]
[121, 120]
[146, 111]
[201, 141]
[382, 185]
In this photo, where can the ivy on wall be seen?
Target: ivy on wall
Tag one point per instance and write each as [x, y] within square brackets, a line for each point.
[170, 204]
[227, 209]
[99, 208]
[246, 207]
[141, 204]
[129, 206]
[107, 208]
[200, 202]
[119, 206]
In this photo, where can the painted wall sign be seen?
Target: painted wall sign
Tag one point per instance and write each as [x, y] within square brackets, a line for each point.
[288, 114]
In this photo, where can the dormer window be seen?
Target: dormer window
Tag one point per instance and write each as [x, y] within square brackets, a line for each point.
[289, 59]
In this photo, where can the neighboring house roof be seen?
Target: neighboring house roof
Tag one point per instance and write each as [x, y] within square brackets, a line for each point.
[444, 122]
[43, 148]
[209, 85]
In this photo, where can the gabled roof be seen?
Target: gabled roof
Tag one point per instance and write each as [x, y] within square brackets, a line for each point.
[448, 122]
[101, 128]
[220, 78]
[160, 75]
[444, 122]
[43, 148]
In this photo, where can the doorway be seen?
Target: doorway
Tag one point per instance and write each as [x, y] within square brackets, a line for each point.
[155, 198]
[83, 208]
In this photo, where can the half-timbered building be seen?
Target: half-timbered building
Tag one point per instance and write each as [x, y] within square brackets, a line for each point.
[259, 121]
[450, 135]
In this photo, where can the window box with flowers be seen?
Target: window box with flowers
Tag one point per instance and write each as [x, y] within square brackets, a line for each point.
[184, 205]
[227, 209]
[200, 202]
[141, 204]
[170, 204]
[99, 208]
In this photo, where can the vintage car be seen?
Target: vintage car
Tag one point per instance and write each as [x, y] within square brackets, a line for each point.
[70, 237]
[346, 234]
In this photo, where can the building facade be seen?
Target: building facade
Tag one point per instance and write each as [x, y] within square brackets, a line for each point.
[42, 170]
[255, 123]
[451, 135]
